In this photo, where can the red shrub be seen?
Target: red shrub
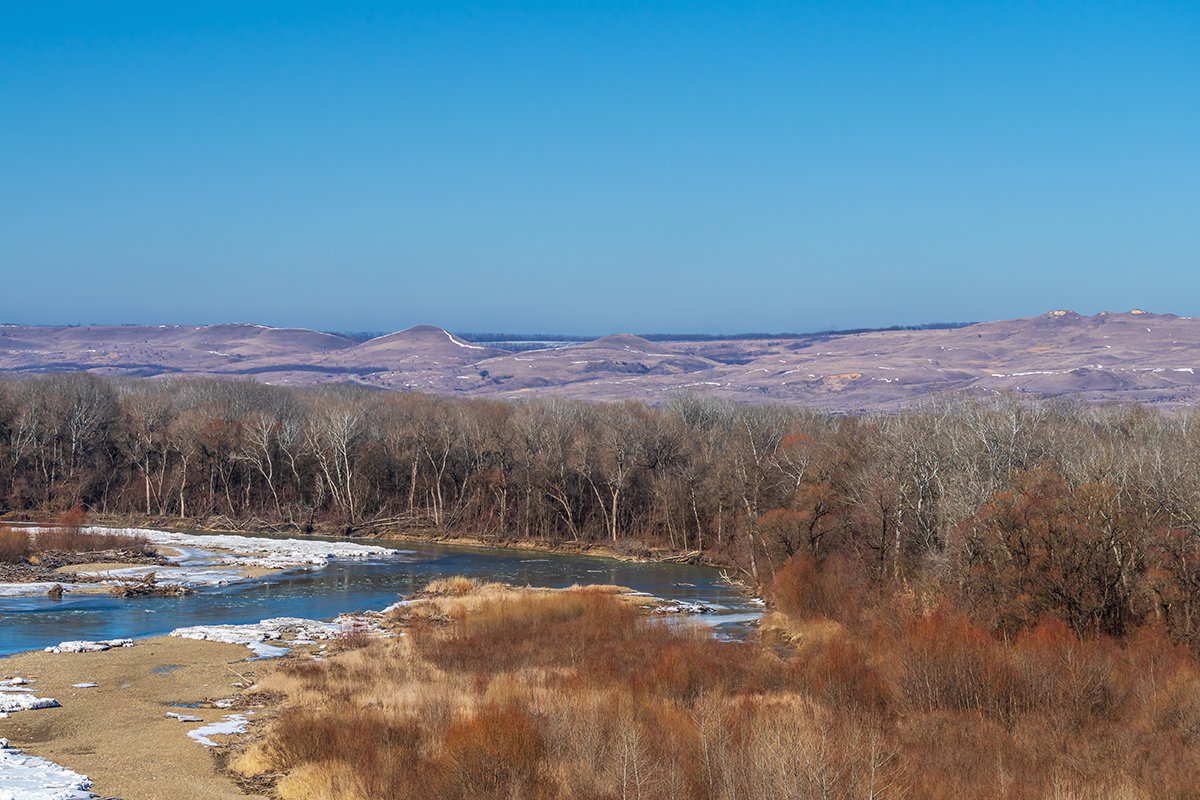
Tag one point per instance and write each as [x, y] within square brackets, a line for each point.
[804, 589]
[14, 545]
[497, 753]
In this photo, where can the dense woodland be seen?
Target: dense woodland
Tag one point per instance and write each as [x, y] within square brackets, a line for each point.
[1022, 507]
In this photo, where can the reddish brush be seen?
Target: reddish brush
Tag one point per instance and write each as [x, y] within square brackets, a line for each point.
[15, 545]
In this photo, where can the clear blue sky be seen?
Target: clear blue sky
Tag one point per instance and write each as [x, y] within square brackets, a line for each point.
[592, 167]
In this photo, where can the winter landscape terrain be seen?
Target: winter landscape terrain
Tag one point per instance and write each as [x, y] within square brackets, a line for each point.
[1133, 356]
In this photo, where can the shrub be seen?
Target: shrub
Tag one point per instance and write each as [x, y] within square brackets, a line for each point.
[497, 753]
[15, 545]
[69, 536]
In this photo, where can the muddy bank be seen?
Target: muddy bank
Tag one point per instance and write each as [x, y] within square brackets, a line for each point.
[118, 732]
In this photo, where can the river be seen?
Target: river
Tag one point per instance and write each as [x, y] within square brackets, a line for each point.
[32, 622]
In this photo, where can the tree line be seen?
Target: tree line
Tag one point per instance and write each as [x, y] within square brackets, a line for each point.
[1023, 507]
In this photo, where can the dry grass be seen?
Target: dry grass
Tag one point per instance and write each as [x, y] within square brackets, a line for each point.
[502, 692]
[66, 540]
[522, 693]
[461, 598]
[778, 628]
[975, 712]
[15, 545]
[68, 536]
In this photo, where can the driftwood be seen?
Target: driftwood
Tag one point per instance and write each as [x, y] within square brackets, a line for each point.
[146, 587]
[694, 557]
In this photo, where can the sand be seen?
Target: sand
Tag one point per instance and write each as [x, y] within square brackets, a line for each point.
[99, 566]
[118, 733]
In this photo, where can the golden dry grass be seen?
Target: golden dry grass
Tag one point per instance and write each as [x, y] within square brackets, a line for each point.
[502, 692]
[523, 693]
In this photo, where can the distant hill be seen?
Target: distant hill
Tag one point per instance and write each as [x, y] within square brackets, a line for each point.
[1151, 358]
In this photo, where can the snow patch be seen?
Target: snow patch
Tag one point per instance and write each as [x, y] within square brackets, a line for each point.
[215, 560]
[256, 634]
[682, 607]
[244, 551]
[21, 589]
[461, 343]
[11, 703]
[24, 777]
[89, 647]
[231, 724]
[240, 551]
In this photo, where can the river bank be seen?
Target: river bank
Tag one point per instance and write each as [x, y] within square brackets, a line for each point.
[117, 731]
[625, 550]
[152, 718]
[181, 562]
[318, 586]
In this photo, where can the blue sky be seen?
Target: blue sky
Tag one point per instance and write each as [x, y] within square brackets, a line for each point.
[592, 167]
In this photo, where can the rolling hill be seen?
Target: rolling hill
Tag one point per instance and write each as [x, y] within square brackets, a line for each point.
[1150, 358]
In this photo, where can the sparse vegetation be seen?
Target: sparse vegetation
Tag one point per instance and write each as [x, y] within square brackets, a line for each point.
[15, 545]
[68, 539]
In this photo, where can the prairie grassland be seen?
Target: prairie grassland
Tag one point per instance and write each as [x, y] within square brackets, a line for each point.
[496, 692]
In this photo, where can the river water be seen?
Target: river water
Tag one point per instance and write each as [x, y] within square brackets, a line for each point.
[28, 623]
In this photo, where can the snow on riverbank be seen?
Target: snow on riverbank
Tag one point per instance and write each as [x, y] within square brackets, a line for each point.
[250, 551]
[256, 634]
[89, 647]
[15, 695]
[231, 724]
[25, 777]
[11, 702]
[214, 559]
[22, 589]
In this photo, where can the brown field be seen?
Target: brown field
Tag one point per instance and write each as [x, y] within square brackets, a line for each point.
[575, 694]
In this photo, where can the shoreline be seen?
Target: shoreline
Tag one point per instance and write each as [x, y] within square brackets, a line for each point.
[204, 527]
[187, 561]
[118, 733]
[114, 722]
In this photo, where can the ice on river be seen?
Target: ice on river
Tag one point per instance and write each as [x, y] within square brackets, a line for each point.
[217, 559]
[250, 551]
[256, 634]
[24, 589]
[24, 777]
[89, 647]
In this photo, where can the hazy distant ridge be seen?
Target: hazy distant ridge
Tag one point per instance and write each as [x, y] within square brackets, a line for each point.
[1151, 358]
